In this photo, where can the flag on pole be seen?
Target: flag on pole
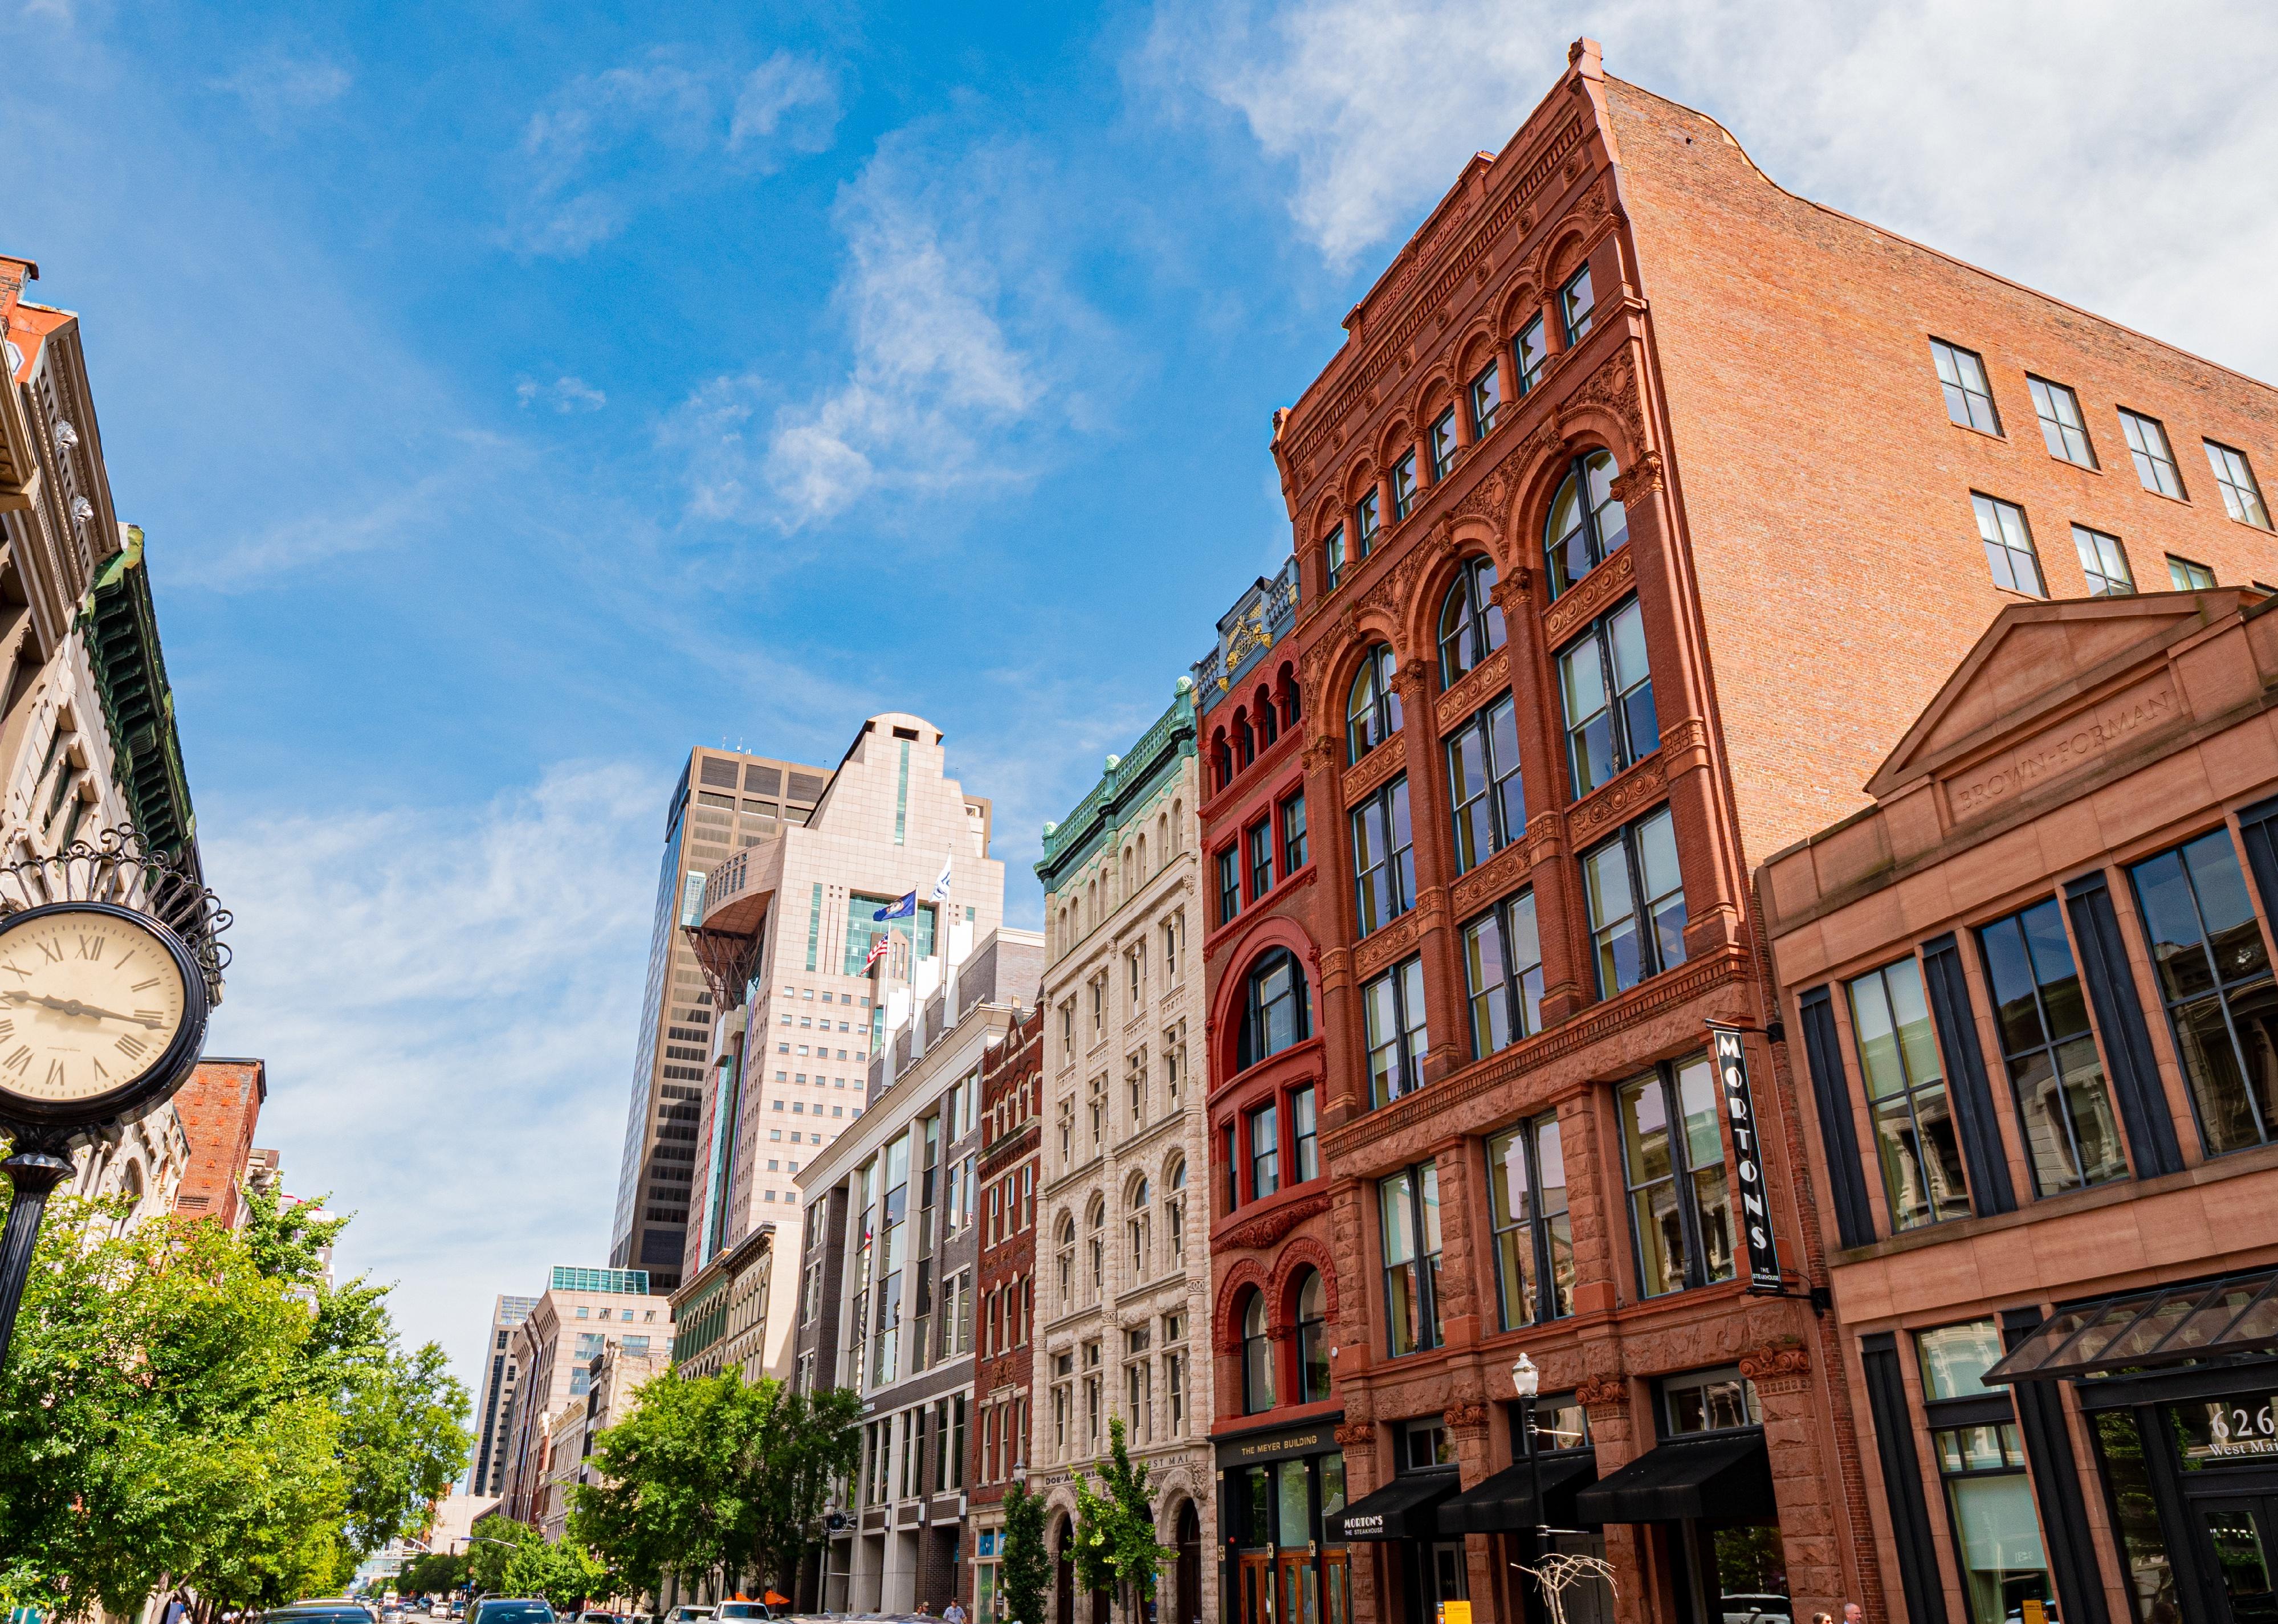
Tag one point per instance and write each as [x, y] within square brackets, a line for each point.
[941, 885]
[904, 909]
[877, 950]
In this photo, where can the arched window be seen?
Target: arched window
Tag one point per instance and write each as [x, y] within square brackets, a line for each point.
[1221, 759]
[1312, 1338]
[1138, 1230]
[1257, 1358]
[1174, 1209]
[1245, 740]
[1269, 726]
[1278, 1007]
[1097, 1255]
[1471, 622]
[1068, 1263]
[1292, 707]
[1372, 712]
[1586, 522]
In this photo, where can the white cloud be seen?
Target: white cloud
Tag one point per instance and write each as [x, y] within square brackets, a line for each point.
[277, 89]
[446, 998]
[563, 395]
[788, 99]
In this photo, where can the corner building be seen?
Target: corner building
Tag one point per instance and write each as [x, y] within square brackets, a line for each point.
[1004, 1291]
[1645, 506]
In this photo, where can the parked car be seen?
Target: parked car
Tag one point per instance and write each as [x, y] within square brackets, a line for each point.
[1758, 1609]
[511, 1609]
[686, 1614]
[597, 1617]
[744, 1610]
[332, 1610]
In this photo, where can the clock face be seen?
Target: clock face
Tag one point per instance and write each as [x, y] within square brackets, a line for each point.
[89, 1002]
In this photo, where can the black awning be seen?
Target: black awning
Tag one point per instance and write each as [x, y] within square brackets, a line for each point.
[1505, 1502]
[2172, 1325]
[1727, 1477]
[1402, 1509]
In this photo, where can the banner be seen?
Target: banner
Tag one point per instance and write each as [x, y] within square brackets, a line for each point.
[1740, 1111]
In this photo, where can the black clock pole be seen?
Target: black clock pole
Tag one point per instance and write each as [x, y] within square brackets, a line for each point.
[36, 1173]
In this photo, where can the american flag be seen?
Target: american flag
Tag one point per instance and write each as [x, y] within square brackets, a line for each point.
[878, 948]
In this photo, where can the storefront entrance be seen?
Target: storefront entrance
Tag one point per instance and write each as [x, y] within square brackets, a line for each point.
[1276, 1493]
[2241, 1533]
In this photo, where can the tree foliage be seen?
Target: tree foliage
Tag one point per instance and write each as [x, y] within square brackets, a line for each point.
[565, 1573]
[1027, 1567]
[433, 1574]
[498, 1540]
[1114, 1541]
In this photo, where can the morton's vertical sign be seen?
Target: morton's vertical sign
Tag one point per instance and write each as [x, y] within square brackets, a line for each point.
[1747, 1153]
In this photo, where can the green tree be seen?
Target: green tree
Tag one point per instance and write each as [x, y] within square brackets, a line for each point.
[1027, 1567]
[805, 1445]
[1115, 1541]
[433, 1574]
[564, 1574]
[498, 1540]
[288, 1243]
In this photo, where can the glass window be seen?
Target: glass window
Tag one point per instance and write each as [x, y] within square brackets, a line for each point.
[1333, 556]
[1502, 975]
[1532, 351]
[2056, 1076]
[1261, 859]
[1229, 884]
[1969, 398]
[1313, 1340]
[1486, 401]
[2215, 978]
[1293, 833]
[1955, 1359]
[1718, 1400]
[2008, 544]
[2104, 561]
[1305, 1134]
[1631, 938]
[1680, 1204]
[1278, 1009]
[2147, 447]
[2058, 411]
[1443, 443]
[1393, 1005]
[1606, 684]
[1471, 620]
[1533, 1237]
[1364, 523]
[1373, 708]
[1408, 1204]
[1424, 1445]
[1403, 487]
[1575, 306]
[2151, 1572]
[1914, 1136]
[1257, 1358]
[1586, 522]
[1997, 1532]
[1484, 786]
[2242, 498]
[1265, 1152]
[2187, 576]
[1384, 856]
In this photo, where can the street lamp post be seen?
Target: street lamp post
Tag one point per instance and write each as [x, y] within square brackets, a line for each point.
[1528, 1382]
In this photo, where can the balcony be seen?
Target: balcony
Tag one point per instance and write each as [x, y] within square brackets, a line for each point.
[738, 894]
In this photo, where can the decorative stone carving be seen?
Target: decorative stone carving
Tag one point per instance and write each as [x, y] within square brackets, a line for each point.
[1475, 688]
[1641, 479]
[1354, 1434]
[1763, 1364]
[1387, 761]
[1465, 1418]
[1597, 1392]
[1499, 873]
[1263, 1231]
[1616, 801]
[1589, 598]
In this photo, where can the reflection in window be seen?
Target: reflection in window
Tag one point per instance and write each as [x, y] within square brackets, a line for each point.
[2155, 461]
[1393, 1006]
[1407, 1205]
[1969, 398]
[1680, 1204]
[1575, 306]
[2103, 561]
[1373, 705]
[2215, 978]
[1606, 684]
[1484, 790]
[1719, 1400]
[1257, 1358]
[1384, 858]
[1631, 938]
[1471, 620]
[1403, 487]
[1333, 556]
[1914, 1136]
[1531, 352]
[1442, 442]
[2242, 498]
[1586, 522]
[2055, 1074]
[1533, 1237]
[2058, 411]
[1312, 1339]
[2008, 544]
[1502, 975]
[1278, 1011]
[1486, 401]
[2135, 1515]
[1995, 1526]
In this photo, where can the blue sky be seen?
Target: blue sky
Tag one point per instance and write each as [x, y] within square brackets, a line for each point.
[514, 395]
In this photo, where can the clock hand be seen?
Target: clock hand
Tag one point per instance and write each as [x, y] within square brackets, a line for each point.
[72, 1006]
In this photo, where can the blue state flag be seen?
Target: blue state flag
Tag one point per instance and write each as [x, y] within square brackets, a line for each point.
[906, 908]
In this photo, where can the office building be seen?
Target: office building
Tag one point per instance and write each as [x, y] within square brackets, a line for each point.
[494, 1397]
[581, 1313]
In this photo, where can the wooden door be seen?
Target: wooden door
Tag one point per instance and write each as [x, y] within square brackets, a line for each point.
[1299, 1602]
[1256, 1591]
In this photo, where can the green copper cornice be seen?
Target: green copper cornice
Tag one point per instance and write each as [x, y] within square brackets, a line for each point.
[1130, 781]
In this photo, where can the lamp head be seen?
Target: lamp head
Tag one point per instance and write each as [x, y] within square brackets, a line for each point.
[1525, 1378]
[1020, 1475]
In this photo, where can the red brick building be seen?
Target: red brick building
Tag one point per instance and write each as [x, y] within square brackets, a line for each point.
[1005, 1291]
[219, 1106]
[1644, 508]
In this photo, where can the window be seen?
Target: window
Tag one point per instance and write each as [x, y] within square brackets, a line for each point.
[2187, 576]
[1990, 1499]
[1442, 444]
[1393, 1005]
[1372, 708]
[1265, 1152]
[1680, 1206]
[1586, 524]
[2147, 446]
[1293, 835]
[1484, 786]
[2063, 1108]
[1403, 487]
[2215, 978]
[1305, 1132]
[1333, 556]
[1066, 1260]
[1278, 1010]
[1424, 1445]
[2104, 561]
[1637, 904]
[1575, 305]
[1139, 1231]
[1606, 684]
[1174, 1210]
[1533, 1237]
[1719, 1400]
[1175, 1384]
[1502, 975]
[1261, 859]
[2058, 411]
[1384, 856]
[1969, 399]
[1914, 1136]
[1229, 884]
[1312, 1339]
[1364, 523]
[1408, 1205]
[1471, 620]
[2242, 498]
[2008, 544]
[1257, 1358]
[1486, 395]
[1532, 351]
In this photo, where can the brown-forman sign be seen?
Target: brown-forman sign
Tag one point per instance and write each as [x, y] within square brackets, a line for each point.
[2070, 746]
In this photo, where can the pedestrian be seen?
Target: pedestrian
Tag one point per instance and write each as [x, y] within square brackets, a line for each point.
[1822, 1618]
[174, 1609]
[1853, 1613]
[953, 1613]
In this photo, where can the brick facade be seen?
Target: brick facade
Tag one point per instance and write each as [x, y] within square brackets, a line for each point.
[218, 1107]
[1012, 1103]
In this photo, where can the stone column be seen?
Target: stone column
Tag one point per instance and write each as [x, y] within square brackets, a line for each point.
[1619, 1440]
[1804, 1480]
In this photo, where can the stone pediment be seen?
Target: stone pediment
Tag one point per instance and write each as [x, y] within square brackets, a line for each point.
[2051, 689]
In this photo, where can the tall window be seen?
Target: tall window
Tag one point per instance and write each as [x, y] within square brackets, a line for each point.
[1293, 833]
[1365, 524]
[1403, 487]
[1260, 837]
[1471, 620]
[1373, 708]
[1174, 1210]
[1066, 1264]
[2147, 447]
[1606, 684]
[1277, 1011]
[2103, 561]
[1312, 1338]
[1384, 856]
[2187, 576]
[1575, 306]
[1969, 398]
[1265, 1152]
[2058, 411]
[2055, 1074]
[1333, 556]
[2215, 977]
[1393, 1006]
[1530, 354]
[1988, 1494]
[1637, 904]
[1533, 1237]
[2242, 498]
[2008, 544]
[1096, 1251]
[1304, 1132]
[1502, 975]
[1257, 1358]
[1484, 785]
[1486, 395]
[1914, 1136]
[1586, 522]
[1443, 443]
[1229, 884]
[1408, 1205]
[1673, 1160]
